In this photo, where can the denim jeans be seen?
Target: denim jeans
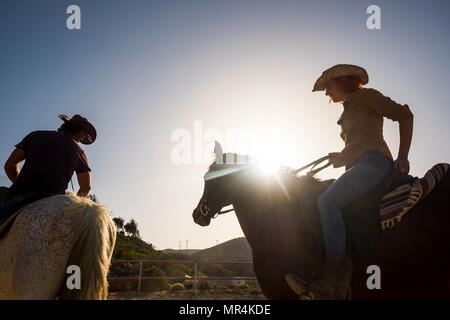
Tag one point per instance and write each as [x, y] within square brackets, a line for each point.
[9, 207]
[368, 172]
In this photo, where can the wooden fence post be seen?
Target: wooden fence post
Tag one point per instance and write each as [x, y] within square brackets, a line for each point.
[140, 275]
[195, 277]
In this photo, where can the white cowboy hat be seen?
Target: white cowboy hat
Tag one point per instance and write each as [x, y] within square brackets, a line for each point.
[340, 70]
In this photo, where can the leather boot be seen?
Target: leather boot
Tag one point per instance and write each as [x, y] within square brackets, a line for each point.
[335, 282]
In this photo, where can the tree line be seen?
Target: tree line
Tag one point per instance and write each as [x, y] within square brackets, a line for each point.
[130, 228]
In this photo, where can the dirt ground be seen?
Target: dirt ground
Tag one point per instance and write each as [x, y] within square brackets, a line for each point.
[185, 295]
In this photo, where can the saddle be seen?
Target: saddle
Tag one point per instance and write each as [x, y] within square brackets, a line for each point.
[384, 206]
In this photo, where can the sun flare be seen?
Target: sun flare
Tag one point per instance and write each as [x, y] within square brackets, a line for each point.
[269, 152]
[269, 166]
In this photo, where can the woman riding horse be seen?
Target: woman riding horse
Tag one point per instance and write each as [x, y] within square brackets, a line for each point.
[367, 160]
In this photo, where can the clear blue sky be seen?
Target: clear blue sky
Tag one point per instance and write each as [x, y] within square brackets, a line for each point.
[140, 70]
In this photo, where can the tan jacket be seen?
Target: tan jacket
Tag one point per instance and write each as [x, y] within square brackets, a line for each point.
[362, 124]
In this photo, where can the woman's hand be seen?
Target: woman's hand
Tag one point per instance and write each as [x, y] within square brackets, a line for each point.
[333, 158]
[402, 165]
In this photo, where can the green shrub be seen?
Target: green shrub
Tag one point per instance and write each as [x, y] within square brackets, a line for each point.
[152, 285]
[188, 284]
[204, 285]
[131, 285]
[176, 270]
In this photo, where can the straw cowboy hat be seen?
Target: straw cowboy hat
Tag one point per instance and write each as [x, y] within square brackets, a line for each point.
[90, 134]
[340, 70]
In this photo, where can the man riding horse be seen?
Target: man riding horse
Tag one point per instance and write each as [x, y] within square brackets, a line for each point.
[367, 160]
[51, 158]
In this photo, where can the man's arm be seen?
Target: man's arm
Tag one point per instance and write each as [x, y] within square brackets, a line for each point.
[12, 164]
[406, 131]
[84, 180]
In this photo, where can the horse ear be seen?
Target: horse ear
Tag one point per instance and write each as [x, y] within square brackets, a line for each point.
[218, 152]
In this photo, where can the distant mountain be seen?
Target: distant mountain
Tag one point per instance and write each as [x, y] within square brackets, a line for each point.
[236, 249]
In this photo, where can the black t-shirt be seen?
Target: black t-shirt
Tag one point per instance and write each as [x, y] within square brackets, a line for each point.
[50, 161]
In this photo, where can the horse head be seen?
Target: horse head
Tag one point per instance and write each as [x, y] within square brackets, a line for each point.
[219, 179]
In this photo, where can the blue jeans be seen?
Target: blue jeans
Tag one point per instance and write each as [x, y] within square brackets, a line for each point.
[367, 173]
[9, 207]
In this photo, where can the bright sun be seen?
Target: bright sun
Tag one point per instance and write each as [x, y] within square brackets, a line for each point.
[268, 148]
[270, 152]
[269, 166]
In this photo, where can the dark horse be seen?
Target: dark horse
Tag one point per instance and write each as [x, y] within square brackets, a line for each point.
[279, 217]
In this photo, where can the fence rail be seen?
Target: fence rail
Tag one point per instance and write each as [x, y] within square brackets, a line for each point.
[196, 263]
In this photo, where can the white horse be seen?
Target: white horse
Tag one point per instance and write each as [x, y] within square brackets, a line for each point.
[48, 236]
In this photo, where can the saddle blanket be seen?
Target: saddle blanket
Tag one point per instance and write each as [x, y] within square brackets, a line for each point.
[398, 202]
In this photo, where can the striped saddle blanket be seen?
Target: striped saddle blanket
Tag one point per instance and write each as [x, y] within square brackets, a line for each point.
[398, 202]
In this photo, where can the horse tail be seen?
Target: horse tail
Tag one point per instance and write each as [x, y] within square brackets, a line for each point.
[95, 238]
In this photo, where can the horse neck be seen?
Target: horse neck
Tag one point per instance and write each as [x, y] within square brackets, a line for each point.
[280, 221]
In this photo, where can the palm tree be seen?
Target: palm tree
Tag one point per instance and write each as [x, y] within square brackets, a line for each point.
[132, 229]
[119, 223]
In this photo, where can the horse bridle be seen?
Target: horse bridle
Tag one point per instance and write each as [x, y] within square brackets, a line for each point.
[205, 210]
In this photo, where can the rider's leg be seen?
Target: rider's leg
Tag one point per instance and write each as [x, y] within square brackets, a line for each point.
[10, 206]
[367, 173]
[370, 169]
[7, 208]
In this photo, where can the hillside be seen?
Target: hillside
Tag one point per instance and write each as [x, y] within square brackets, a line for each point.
[235, 249]
[131, 248]
[186, 252]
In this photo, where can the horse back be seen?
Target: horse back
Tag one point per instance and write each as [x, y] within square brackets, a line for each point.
[412, 257]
